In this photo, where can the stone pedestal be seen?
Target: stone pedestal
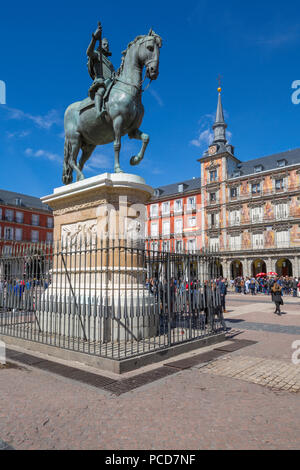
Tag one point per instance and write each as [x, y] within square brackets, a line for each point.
[97, 289]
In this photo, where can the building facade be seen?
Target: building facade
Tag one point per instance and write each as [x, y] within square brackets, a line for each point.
[23, 219]
[249, 212]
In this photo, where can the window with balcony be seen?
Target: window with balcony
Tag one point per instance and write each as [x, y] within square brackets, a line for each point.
[35, 219]
[19, 234]
[178, 246]
[282, 239]
[154, 210]
[166, 228]
[34, 236]
[235, 242]
[165, 208]
[154, 230]
[192, 221]
[191, 203]
[8, 233]
[9, 215]
[192, 245]
[257, 214]
[214, 244]
[154, 246]
[178, 226]
[19, 217]
[212, 220]
[256, 188]
[49, 237]
[281, 211]
[235, 217]
[212, 197]
[49, 222]
[178, 206]
[257, 240]
[166, 246]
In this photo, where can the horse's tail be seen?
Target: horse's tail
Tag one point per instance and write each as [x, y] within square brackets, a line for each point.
[67, 170]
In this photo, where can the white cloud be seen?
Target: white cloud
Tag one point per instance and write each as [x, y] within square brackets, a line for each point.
[204, 138]
[53, 157]
[53, 117]
[156, 97]
[98, 161]
[17, 135]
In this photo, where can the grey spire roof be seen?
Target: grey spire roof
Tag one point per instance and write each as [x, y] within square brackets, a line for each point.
[220, 126]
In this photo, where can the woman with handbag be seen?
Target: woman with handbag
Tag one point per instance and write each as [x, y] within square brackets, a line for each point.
[277, 297]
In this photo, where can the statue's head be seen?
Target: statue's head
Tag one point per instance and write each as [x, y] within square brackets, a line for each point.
[149, 54]
[105, 45]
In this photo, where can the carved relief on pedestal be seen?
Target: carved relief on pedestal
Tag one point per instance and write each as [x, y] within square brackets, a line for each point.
[81, 233]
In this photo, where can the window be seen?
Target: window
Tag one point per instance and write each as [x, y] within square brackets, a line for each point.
[213, 175]
[35, 219]
[279, 184]
[213, 197]
[236, 174]
[235, 242]
[281, 211]
[214, 244]
[257, 214]
[0, 213]
[166, 208]
[258, 169]
[235, 217]
[180, 188]
[19, 217]
[233, 193]
[34, 236]
[154, 230]
[178, 246]
[178, 206]
[178, 226]
[154, 210]
[192, 245]
[258, 240]
[18, 202]
[8, 233]
[49, 236]
[19, 233]
[166, 228]
[282, 239]
[281, 163]
[191, 203]
[212, 220]
[9, 215]
[166, 246]
[256, 188]
[49, 222]
[192, 222]
[154, 246]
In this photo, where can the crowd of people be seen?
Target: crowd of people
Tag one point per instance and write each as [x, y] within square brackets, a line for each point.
[264, 284]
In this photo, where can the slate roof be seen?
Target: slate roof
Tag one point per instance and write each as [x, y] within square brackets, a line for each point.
[27, 202]
[292, 157]
[172, 189]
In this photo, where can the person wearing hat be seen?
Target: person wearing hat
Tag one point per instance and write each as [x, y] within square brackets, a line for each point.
[277, 297]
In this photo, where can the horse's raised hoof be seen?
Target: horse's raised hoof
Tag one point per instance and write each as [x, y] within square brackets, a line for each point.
[134, 161]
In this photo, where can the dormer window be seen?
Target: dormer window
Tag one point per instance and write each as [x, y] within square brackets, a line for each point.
[156, 192]
[236, 174]
[18, 202]
[180, 188]
[281, 163]
[258, 168]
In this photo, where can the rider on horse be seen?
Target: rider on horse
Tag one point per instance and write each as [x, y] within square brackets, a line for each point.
[100, 69]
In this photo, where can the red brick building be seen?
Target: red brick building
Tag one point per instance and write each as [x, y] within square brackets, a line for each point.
[23, 219]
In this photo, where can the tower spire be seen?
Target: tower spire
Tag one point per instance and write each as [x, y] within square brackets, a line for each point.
[220, 126]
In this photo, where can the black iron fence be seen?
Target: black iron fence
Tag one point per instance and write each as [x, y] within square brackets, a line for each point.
[108, 299]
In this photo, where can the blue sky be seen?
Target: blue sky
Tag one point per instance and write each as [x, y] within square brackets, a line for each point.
[254, 46]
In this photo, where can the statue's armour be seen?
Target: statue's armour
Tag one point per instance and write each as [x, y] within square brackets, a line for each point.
[108, 68]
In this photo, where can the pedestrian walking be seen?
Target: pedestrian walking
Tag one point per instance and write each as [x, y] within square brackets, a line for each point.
[277, 297]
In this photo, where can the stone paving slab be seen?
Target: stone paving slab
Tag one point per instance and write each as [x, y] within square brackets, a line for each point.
[244, 325]
[274, 374]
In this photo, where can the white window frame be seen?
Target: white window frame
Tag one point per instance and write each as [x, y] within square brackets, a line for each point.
[154, 233]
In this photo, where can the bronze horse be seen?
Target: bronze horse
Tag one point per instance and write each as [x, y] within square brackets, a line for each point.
[124, 110]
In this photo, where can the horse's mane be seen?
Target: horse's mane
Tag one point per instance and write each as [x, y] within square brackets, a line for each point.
[151, 34]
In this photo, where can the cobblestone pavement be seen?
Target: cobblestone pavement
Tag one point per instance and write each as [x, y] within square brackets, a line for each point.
[235, 402]
[243, 325]
[270, 373]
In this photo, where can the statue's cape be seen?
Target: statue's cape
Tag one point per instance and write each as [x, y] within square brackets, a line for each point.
[108, 68]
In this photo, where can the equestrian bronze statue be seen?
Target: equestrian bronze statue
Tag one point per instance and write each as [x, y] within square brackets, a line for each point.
[114, 107]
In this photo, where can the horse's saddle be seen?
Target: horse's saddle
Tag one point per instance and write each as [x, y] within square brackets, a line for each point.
[88, 103]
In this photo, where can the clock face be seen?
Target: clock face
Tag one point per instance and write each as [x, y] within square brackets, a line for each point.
[212, 150]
